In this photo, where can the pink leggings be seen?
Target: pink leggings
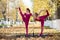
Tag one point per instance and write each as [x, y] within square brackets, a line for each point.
[41, 19]
[26, 24]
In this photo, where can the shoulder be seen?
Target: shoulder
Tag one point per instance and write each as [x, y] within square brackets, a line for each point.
[30, 13]
[24, 13]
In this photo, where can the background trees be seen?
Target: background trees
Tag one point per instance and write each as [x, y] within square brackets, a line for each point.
[3, 6]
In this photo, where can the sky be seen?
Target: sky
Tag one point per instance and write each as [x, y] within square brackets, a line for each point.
[28, 3]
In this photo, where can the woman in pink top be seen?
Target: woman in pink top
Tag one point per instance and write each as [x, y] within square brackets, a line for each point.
[26, 16]
[41, 19]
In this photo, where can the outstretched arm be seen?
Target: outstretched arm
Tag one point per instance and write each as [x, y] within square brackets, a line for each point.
[40, 11]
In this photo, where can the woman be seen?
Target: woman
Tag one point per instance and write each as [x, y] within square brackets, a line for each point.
[26, 16]
[41, 19]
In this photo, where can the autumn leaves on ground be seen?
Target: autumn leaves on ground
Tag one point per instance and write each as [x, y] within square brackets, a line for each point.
[54, 34]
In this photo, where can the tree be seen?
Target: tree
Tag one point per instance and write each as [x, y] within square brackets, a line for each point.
[58, 9]
[3, 6]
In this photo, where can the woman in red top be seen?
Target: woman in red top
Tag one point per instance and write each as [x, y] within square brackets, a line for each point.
[41, 19]
[26, 16]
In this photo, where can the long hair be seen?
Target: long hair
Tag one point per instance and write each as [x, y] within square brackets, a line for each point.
[36, 14]
[28, 9]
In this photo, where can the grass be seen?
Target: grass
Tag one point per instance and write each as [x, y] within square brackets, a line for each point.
[47, 27]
